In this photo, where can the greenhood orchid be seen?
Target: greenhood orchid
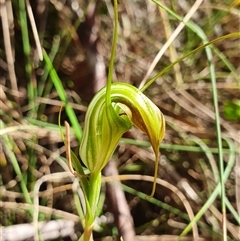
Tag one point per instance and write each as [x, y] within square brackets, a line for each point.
[112, 112]
[105, 124]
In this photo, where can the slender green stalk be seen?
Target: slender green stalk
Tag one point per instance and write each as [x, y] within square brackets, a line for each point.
[32, 90]
[16, 167]
[209, 155]
[154, 78]
[178, 147]
[42, 89]
[211, 199]
[219, 139]
[62, 95]
[32, 157]
[233, 211]
[196, 29]
[155, 201]
[95, 177]
[92, 198]
[94, 192]
[232, 158]
[56, 52]
[113, 52]
[166, 207]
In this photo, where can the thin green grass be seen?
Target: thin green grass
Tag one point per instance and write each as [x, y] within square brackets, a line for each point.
[58, 50]
[173, 147]
[169, 208]
[213, 196]
[32, 87]
[62, 95]
[195, 28]
[10, 145]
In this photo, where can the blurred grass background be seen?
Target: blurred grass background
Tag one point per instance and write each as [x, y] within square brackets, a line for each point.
[54, 52]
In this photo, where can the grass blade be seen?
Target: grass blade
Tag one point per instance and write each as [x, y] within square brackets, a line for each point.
[63, 97]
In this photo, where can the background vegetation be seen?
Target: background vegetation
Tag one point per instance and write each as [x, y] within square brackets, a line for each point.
[54, 52]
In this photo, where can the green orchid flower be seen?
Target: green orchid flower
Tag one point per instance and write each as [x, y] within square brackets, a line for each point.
[105, 124]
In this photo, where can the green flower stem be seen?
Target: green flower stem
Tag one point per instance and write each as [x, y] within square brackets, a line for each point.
[104, 126]
[113, 111]
[92, 199]
[94, 192]
[113, 52]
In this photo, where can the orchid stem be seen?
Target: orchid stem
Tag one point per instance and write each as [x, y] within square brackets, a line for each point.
[113, 52]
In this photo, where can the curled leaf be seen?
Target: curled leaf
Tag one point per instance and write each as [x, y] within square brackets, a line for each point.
[104, 125]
